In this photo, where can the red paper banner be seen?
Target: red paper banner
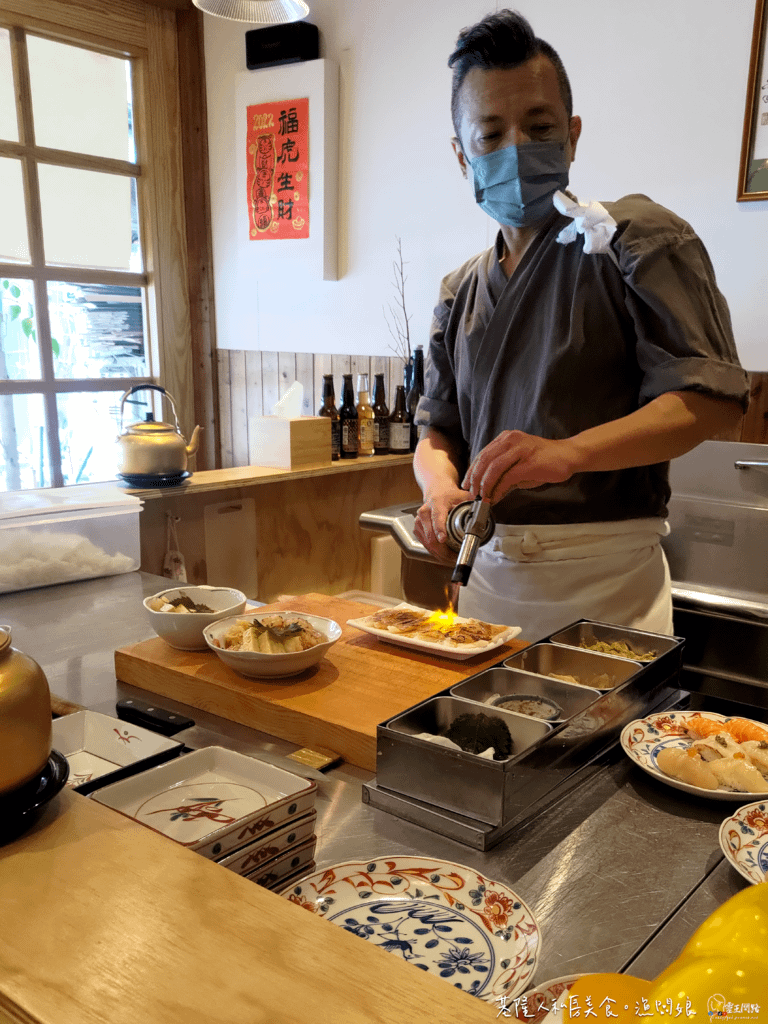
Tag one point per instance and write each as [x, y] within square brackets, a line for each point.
[278, 170]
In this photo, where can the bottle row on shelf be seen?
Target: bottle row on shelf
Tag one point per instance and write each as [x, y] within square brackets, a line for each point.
[359, 428]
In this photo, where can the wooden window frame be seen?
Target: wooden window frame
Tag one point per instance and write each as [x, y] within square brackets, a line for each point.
[164, 42]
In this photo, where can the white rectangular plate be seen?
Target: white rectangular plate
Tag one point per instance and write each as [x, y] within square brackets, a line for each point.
[427, 646]
[213, 800]
[99, 747]
[275, 872]
[250, 857]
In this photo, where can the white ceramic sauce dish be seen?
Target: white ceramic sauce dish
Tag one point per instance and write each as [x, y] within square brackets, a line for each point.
[184, 630]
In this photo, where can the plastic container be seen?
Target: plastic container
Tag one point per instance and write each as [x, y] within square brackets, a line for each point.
[59, 535]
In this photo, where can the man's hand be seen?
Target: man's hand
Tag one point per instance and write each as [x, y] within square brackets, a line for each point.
[429, 527]
[514, 459]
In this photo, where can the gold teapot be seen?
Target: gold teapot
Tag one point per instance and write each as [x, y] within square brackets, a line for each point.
[25, 716]
[149, 448]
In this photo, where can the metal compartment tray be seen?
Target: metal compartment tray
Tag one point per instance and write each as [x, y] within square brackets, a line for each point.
[508, 682]
[597, 671]
[479, 801]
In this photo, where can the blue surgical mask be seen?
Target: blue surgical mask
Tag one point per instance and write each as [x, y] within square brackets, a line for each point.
[515, 185]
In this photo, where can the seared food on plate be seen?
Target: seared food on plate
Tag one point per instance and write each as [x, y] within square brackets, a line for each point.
[438, 627]
[271, 634]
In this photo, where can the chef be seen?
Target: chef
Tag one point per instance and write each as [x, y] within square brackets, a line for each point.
[567, 364]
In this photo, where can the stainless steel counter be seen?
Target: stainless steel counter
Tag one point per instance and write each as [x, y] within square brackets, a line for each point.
[618, 874]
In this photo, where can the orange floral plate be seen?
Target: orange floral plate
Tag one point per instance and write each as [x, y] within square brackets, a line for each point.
[744, 841]
[441, 917]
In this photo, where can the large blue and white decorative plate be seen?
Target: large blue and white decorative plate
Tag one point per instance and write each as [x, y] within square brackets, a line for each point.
[441, 917]
[744, 841]
[643, 740]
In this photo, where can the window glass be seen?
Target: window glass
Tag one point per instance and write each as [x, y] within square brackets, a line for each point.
[97, 330]
[9, 129]
[23, 446]
[81, 100]
[97, 233]
[14, 243]
[19, 353]
[89, 425]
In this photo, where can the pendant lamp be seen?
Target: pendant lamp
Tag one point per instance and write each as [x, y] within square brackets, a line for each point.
[265, 12]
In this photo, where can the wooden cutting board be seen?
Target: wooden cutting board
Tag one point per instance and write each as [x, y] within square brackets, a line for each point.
[337, 705]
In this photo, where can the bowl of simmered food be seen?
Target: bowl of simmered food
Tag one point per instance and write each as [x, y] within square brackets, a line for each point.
[274, 644]
[180, 614]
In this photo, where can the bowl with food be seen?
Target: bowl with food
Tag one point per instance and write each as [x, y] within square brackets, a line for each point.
[180, 614]
[272, 645]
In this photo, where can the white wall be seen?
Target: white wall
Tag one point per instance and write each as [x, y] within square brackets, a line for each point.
[660, 86]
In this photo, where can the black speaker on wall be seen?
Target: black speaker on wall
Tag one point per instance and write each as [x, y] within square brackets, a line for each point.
[281, 44]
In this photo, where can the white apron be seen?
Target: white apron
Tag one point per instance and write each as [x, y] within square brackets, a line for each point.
[542, 578]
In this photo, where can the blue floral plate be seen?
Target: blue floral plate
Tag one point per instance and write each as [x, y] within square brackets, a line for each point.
[440, 917]
[744, 841]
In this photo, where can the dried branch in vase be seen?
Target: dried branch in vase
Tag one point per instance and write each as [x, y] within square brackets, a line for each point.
[395, 314]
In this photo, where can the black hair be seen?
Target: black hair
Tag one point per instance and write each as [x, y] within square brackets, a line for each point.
[501, 40]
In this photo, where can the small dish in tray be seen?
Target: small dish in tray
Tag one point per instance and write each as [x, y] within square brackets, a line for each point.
[645, 647]
[442, 649]
[212, 800]
[574, 667]
[644, 739]
[101, 749]
[744, 841]
[444, 918]
[501, 683]
[255, 665]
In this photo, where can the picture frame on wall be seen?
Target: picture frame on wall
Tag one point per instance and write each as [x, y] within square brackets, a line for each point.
[753, 167]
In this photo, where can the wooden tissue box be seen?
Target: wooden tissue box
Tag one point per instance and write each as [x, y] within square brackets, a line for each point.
[292, 443]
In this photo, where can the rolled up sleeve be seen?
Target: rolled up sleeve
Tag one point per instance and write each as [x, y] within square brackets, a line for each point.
[438, 407]
[683, 326]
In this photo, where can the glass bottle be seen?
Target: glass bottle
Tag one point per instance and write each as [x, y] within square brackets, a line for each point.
[399, 428]
[417, 390]
[348, 420]
[328, 408]
[364, 416]
[380, 418]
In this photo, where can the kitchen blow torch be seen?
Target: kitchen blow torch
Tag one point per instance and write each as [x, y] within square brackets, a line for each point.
[469, 526]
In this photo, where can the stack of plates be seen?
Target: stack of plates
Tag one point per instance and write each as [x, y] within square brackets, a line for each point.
[251, 817]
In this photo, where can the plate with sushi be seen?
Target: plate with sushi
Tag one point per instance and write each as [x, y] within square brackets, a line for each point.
[705, 755]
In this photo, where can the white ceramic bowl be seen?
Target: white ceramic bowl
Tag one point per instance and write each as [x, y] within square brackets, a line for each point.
[255, 665]
[185, 631]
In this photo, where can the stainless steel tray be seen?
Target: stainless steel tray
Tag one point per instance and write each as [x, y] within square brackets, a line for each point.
[479, 801]
[507, 682]
[589, 668]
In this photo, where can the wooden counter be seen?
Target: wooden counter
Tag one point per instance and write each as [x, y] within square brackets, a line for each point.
[361, 682]
[104, 920]
[274, 531]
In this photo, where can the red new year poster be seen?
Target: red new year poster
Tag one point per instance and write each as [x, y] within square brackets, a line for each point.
[278, 170]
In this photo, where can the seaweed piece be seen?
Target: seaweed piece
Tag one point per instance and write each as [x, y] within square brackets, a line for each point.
[278, 633]
[474, 733]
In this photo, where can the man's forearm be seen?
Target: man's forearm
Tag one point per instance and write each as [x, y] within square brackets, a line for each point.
[665, 428]
[436, 461]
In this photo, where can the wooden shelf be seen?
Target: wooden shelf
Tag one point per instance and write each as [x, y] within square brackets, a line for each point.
[250, 476]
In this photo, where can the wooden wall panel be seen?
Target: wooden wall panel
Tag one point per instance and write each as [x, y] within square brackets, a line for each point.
[250, 383]
[754, 426]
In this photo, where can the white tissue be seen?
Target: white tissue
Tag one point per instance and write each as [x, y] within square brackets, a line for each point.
[289, 406]
[589, 219]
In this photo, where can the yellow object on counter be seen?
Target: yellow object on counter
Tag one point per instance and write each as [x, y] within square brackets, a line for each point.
[721, 974]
